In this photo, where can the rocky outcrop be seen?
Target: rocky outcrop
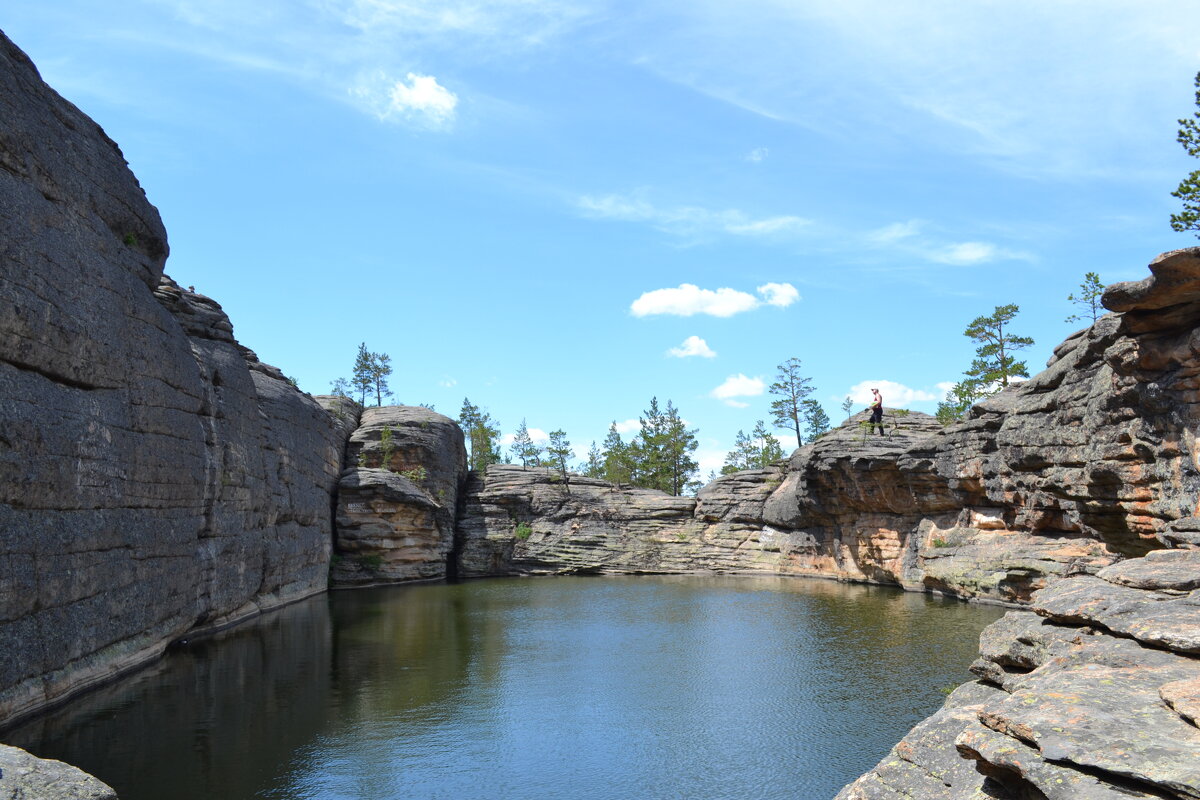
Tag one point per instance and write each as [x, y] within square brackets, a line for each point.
[1091, 461]
[529, 521]
[24, 777]
[155, 477]
[396, 506]
[1092, 693]
[842, 507]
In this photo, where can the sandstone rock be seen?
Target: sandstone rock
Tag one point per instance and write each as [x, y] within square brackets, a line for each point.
[155, 477]
[925, 764]
[396, 510]
[1174, 279]
[1164, 620]
[25, 777]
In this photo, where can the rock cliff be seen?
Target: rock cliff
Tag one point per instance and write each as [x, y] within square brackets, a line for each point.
[1091, 461]
[155, 477]
[397, 502]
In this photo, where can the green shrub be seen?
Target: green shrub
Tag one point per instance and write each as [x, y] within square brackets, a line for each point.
[523, 531]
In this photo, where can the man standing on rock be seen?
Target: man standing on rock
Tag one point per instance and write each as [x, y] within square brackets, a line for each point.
[876, 411]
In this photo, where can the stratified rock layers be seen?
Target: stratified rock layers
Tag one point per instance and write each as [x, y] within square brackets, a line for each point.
[397, 506]
[1092, 460]
[155, 477]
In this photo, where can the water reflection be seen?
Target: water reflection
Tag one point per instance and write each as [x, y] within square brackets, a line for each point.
[564, 687]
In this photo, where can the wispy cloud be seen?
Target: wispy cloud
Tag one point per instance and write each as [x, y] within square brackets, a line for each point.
[736, 386]
[758, 155]
[447, 382]
[688, 299]
[910, 237]
[688, 221]
[692, 346]
[1023, 88]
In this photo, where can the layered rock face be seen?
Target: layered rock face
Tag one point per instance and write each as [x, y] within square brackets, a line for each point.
[1092, 693]
[529, 521]
[1092, 460]
[397, 504]
[155, 477]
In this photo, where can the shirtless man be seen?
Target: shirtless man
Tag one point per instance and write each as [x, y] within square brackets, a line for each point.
[877, 411]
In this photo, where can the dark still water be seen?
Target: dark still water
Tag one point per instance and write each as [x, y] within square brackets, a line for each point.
[645, 687]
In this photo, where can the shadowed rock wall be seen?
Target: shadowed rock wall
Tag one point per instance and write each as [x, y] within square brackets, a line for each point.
[155, 477]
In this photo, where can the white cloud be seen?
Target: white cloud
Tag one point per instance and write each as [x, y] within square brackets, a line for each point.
[778, 294]
[447, 382]
[692, 346]
[895, 395]
[418, 99]
[688, 299]
[687, 221]
[736, 386]
[538, 436]
[758, 155]
[629, 426]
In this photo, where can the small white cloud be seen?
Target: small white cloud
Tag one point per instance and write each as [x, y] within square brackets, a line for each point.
[418, 99]
[538, 436]
[736, 386]
[779, 294]
[629, 426]
[692, 346]
[447, 382]
[895, 395]
[424, 97]
[762, 227]
[688, 299]
[758, 155]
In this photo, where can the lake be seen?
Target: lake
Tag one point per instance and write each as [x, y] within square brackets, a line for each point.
[582, 687]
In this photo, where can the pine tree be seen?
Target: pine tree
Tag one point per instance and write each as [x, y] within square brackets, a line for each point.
[560, 454]
[362, 380]
[617, 468]
[769, 448]
[1189, 187]
[482, 434]
[380, 369]
[523, 447]
[847, 404]
[679, 444]
[756, 450]
[995, 363]
[816, 421]
[595, 462]
[1090, 292]
[993, 366]
[791, 388]
[648, 450]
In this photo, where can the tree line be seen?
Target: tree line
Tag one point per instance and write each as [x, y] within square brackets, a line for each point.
[660, 455]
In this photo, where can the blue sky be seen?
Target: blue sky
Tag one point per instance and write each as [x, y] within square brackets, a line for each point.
[561, 209]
